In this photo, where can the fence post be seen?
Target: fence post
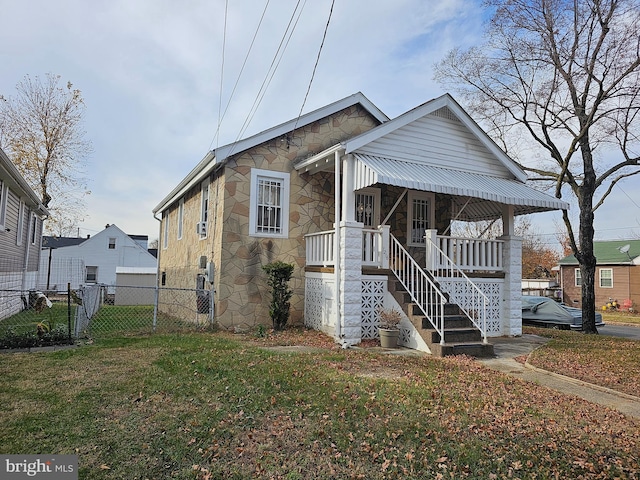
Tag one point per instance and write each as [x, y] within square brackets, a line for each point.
[69, 310]
[211, 306]
[155, 308]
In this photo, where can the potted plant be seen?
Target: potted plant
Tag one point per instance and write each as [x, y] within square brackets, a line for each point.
[388, 329]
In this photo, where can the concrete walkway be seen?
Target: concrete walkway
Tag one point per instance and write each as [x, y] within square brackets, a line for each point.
[507, 349]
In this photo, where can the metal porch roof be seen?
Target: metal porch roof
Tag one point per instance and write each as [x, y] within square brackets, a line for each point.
[485, 194]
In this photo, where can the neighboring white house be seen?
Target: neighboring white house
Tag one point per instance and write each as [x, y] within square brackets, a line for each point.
[98, 256]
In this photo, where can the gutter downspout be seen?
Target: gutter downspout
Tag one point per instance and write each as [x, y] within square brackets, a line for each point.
[25, 266]
[336, 249]
[157, 292]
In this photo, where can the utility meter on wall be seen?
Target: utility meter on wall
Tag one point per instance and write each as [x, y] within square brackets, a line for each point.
[209, 272]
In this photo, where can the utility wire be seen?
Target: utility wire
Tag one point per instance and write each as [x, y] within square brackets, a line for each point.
[224, 43]
[235, 86]
[313, 74]
[272, 69]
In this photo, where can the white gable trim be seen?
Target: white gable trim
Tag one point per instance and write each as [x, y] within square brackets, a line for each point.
[425, 109]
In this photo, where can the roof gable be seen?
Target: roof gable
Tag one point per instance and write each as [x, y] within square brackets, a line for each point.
[438, 133]
[608, 253]
[217, 157]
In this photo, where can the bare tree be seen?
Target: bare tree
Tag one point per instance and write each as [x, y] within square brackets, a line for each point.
[564, 73]
[41, 129]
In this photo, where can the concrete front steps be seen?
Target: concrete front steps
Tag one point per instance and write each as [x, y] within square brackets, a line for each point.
[461, 336]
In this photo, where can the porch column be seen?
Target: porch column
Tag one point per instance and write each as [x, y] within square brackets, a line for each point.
[348, 195]
[512, 295]
[350, 288]
[431, 256]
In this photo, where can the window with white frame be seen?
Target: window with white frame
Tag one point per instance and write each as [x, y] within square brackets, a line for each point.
[204, 208]
[34, 228]
[180, 217]
[367, 207]
[419, 217]
[269, 212]
[4, 193]
[165, 231]
[112, 243]
[20, 228]
[606, 278]
[578, 277]
[91, 274]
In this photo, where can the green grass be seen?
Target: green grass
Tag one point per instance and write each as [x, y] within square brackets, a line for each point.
[204, 405]
[618, 317]
[27, 320]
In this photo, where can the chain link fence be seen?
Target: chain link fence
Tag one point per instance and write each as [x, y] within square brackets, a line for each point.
[100, 311]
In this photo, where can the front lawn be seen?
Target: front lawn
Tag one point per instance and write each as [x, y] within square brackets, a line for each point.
[607, 361]
[213, 405]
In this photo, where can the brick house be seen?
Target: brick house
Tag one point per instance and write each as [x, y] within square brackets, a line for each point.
[617, 274]
[379, 240]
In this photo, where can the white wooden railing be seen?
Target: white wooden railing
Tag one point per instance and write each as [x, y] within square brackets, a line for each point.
[474, 302]
[470, 254]
[320, 248]
[423, 291]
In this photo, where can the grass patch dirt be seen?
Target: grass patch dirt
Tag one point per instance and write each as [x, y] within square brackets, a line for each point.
[216, 405]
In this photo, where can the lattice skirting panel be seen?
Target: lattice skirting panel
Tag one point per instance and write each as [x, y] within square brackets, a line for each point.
[314, 302]
[373, 291]
[459, 291]
[319, 301]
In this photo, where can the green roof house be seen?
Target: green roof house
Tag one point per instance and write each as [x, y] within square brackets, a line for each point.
[617, 274]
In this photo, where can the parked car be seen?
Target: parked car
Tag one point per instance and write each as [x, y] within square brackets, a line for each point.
[546, 312]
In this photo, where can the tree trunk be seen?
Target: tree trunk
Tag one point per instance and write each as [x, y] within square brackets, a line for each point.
[585, 255]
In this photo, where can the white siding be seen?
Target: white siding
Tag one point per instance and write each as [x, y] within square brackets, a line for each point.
[439, 141]
[95, 251]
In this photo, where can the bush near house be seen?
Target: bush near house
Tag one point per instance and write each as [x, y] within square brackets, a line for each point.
[278, 276]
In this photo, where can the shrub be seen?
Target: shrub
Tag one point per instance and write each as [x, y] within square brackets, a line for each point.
[279, 274]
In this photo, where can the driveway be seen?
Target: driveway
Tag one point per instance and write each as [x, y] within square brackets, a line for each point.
[622, 331]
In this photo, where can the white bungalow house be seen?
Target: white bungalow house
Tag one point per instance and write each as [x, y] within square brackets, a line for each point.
[91, 260]
[361, 205]
[21, 217]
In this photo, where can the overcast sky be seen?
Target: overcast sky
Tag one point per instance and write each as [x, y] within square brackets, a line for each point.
[152, 72]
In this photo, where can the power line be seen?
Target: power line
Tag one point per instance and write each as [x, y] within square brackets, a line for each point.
[273, 68]
[224, 43]
[313, 74]
[630, 199]
[235, 86]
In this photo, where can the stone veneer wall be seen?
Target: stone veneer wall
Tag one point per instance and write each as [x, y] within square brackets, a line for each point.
[242, 296]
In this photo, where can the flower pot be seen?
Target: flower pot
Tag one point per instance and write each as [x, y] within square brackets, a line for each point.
[388, 337]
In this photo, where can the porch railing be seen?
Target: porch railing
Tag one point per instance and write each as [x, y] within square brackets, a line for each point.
[320, 248]
[473, 302]
[470, 254]
[422, 290]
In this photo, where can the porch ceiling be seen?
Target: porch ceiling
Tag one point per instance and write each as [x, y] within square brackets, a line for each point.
[483, 195]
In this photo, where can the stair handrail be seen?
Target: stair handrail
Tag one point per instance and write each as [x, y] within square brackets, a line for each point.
[421, 288]
[479, 300]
